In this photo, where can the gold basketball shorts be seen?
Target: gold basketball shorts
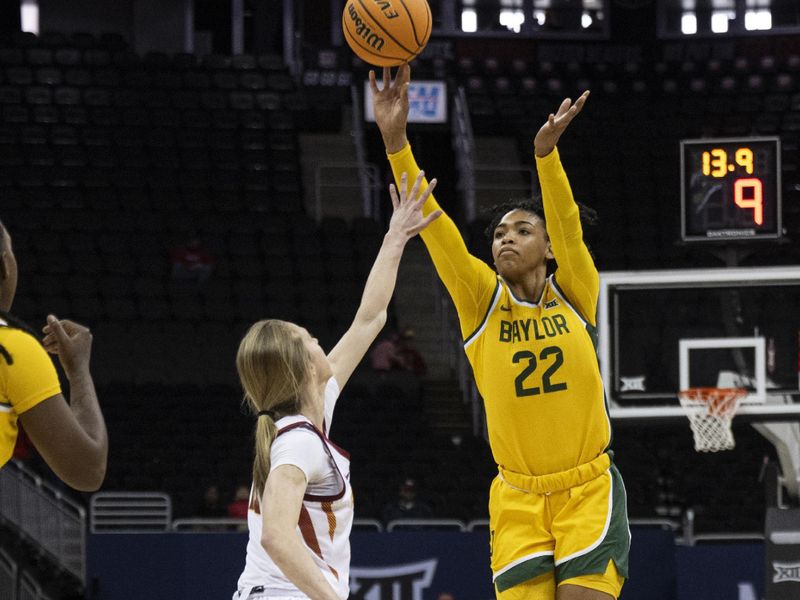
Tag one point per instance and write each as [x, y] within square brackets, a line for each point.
[572, 523]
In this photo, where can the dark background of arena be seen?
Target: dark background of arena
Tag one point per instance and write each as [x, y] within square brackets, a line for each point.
[109, 157]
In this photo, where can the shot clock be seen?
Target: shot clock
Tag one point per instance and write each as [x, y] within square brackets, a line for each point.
[730, 189]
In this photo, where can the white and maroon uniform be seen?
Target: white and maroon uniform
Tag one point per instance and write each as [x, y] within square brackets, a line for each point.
[326, 516]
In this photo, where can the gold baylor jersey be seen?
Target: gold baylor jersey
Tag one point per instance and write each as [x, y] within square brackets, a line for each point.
[536, 368]
[534, 362]
[27, 376]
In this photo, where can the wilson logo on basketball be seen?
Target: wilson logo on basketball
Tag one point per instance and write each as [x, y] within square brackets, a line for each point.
[363, 30]
[386, 8]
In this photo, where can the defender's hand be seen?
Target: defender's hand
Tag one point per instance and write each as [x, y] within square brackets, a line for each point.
[407, 216]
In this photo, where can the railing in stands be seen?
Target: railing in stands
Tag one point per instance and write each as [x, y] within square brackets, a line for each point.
[130, 512]
[42, 514]
[29, 588]
[222, 525]
[447, 524]
[478, 524]
[683, 535]
[367, 172]
[452, 347]
[368, 524]
[661, 523]
[8, 577]
[207, 525]
[292, 45]
[464, 147]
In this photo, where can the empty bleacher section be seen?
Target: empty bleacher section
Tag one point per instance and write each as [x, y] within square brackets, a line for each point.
[42, 538]
[181, 438]
[622, 156]
[108, 159]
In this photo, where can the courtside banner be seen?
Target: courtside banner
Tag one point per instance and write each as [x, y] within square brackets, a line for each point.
[420, 565]
[721, 571]
[427, 101]
[407, 565]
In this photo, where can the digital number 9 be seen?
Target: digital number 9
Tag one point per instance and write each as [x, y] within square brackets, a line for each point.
[744, 158]
[756, 202]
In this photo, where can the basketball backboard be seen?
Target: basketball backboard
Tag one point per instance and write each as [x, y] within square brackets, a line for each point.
[663, 331]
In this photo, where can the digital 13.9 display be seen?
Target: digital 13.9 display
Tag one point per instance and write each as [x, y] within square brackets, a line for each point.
[730, 189]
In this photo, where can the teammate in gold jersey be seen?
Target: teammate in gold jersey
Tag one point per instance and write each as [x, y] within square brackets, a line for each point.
[557, 509]
[70, 437]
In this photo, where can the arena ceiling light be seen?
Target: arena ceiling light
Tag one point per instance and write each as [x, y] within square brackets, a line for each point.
[29, 16]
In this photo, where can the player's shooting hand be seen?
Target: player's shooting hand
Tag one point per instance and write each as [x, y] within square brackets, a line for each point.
[548, 136]
[407, 216]
[390, 105]
[71, 341]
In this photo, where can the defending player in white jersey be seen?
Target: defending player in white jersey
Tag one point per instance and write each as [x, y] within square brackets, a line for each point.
[301, 505]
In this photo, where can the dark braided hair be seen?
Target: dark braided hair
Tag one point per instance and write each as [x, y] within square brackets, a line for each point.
[18, 323]
[7, 317]
[495, 214]
[533, 205]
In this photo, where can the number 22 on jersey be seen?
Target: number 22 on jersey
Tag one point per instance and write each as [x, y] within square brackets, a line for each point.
[551, 358]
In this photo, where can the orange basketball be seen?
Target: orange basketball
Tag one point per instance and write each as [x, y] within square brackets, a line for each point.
[387, 33]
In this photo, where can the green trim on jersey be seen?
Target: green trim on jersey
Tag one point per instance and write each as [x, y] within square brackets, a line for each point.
[594, 337]
[524, 571]
[607, 449]
[492, 303]
[614, 546]
[591, 328]
[592, 331]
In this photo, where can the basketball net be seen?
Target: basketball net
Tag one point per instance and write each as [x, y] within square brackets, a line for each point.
[710, 411]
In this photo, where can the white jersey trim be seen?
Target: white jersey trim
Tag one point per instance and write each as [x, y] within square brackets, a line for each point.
[521, 302]
[600, 539]
[477, 333]
[519, 561]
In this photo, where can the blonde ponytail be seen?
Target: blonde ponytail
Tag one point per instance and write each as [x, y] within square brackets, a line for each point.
[273, 366]
[264, 436]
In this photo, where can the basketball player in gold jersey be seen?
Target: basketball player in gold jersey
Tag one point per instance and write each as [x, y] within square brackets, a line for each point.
[558, 517]
[70, 437]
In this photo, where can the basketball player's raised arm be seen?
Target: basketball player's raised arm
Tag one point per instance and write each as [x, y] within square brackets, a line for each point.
[281, 504]
[577, 274]
[407, 221]
[72, 437]
[469, 281]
